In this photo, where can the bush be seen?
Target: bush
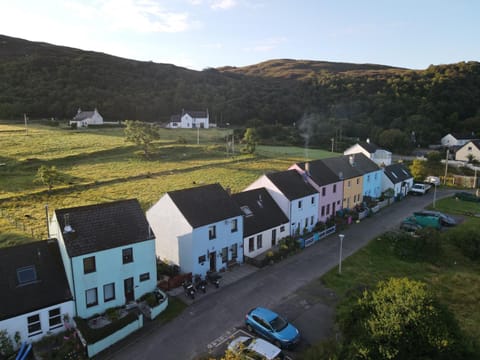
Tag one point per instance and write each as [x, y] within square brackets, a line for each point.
[424, 246]
[94, 335]
[467, 239]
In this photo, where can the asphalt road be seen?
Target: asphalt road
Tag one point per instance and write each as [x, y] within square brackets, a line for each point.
[289, 287]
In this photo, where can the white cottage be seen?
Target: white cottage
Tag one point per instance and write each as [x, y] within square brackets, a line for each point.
[469, 151]
[264, 223]
[109, 254]
[189, 119]
[457, 140]
[85, 118]
[380, 156]
[294, 195]
[199, 229]
[398, 178]
[35, 298]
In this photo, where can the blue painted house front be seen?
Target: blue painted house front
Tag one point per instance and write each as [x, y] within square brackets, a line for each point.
[372, 175]
[108, 252]
[199, 229]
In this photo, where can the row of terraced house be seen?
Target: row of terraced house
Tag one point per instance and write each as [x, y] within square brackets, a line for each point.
[103, 256]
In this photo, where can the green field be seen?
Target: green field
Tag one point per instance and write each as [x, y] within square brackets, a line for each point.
[454, 278]
[100, 166]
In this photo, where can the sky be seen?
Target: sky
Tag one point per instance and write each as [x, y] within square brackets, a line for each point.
[198, 34]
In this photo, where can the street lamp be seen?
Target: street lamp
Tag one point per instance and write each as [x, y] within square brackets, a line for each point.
[341, 236]
[434, 194]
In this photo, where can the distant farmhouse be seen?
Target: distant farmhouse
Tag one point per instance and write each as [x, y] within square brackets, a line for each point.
[457, 140]
[380, 156]
[85, 118]
[189, 120]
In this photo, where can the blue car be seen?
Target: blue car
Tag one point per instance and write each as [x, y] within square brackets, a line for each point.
[273, 327]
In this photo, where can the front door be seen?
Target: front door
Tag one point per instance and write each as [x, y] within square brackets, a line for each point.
[274, 237]
[128, 289]
[213, 261]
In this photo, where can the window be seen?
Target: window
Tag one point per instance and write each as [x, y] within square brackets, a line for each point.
[251, 244]
[224, 254]
[375, 176]
[34, 325]
[334, 188]
[202, 259]
[26, 275]
[328, 209]
[89, 265]
[259, 241]
[368, 178]
[246, 210]
[324, 191]
[91, 297]
[306, 222]
[299, 204]
[109, 292]
[145, 276]
[358, 181]
[323, 210]
[212, 232]
[313, 200]
[234, 250]
[234, 225]
[54, 318]
[311, 220]
[282, 228]
[348, 183]
[127, 255]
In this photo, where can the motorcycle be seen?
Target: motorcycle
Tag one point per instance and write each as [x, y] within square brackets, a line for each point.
[188, 289]
[200, 284]
[214, 278]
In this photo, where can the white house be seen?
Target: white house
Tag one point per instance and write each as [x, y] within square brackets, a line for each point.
[452, 140]
[469, 151]
[108, 252]
[35, 298]
[264, 223]
[294, 195]
[199, 229]
[189, 119]
[85, 118]
[380, 156]
[398, 178]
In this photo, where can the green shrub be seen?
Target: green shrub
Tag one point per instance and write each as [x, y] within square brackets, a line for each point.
[467, 239]
[424, 246]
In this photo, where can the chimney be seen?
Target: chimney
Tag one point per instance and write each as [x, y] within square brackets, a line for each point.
[228, 190]
[368, 140]
[351, 160]
[79, 111]
[340, 175]
[260, 201]
[307, 168]
[67, 228]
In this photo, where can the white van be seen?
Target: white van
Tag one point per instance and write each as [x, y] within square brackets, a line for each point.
[255, 348]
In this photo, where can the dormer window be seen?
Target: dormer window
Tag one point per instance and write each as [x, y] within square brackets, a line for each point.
[26, 275]
[246, 210]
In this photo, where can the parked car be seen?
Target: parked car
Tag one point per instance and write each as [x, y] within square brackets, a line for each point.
[419, 189]
[255, 348]
[430, 221]
[434, 180]
[466, 196]
[445, 220]
[272, 326]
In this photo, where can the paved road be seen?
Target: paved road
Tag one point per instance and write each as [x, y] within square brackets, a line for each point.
[276, 286]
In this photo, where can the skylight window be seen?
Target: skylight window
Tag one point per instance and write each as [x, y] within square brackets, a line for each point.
[246, 210]
[394, 175]
[26, 275]
[404, 172]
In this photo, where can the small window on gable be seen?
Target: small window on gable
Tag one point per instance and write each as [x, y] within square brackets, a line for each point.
[89, 265]
[26, 275]
[127, 255]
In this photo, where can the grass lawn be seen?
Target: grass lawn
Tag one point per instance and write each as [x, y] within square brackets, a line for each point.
[454, 278]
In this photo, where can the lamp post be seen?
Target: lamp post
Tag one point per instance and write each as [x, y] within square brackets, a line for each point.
[341, 236]
[434, 194]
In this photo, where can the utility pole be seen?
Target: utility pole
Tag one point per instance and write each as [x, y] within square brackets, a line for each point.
[341, 236]
[198, 135]
[333, 141]
[446, 169]
[26, 126]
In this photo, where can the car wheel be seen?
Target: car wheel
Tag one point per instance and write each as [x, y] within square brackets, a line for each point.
[250, 328]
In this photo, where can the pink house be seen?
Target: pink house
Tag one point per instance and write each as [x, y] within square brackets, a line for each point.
[328, 184]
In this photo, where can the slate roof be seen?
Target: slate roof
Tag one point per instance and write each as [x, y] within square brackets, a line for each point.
[470, 136]
[341, 167]
[82, 115]
[291, 184]
[320, 172]
[397, 173]
[205, 204]
[196, 114]
[49, 288]
[103, 226]
[175, 118]
[363, 164]
[369, 146]
[266, 214]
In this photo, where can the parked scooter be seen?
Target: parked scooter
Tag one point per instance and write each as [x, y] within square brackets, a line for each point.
[214, 278]
[189, 289]
[200, 284]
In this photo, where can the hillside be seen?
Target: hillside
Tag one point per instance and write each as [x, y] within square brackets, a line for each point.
[323, 99]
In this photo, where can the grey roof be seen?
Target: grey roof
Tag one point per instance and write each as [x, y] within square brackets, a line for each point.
[266, 214]
[369, 146]
[475, 142]
[350, 166]
[320, 172]
[82, 115]
[196, 114]
[49, 286]
[469, 136]
[397, 173]
[205, 204]
[103, 226]
[175, 118]
[291, 184]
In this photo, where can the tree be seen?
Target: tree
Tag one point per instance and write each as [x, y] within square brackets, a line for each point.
[250, 139]
[401, 319]
[48, 176]
[418, 169]
[142, 134]
[395, 140]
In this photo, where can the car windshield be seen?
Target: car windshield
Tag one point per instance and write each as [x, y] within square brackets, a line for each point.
[278, 324]
[247, 342]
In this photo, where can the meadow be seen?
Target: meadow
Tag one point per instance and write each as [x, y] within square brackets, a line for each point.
[99, 166]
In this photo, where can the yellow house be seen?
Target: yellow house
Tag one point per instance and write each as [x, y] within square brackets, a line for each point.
[352, 191]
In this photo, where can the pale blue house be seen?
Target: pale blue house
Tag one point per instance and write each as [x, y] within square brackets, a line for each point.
[372, 174]
[108, 252]
[199, 229]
